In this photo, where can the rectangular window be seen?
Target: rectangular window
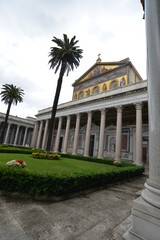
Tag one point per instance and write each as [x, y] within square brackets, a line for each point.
[124, 143]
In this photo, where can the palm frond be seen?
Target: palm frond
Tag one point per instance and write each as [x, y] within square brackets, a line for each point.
[11, 94]
[65, 51]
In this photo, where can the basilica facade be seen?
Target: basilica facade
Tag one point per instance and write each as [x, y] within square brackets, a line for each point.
[107, 117]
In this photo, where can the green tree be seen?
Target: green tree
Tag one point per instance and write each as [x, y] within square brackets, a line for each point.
[66, 55]
[10, 94]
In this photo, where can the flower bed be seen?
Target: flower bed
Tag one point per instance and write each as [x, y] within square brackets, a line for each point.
[16, 163]
[51, 156]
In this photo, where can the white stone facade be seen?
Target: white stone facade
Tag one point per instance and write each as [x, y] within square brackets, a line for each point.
[19, 130]
[92, 133]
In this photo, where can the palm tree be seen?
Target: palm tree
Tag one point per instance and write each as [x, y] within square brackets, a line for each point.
[10, 94]
[65, 56]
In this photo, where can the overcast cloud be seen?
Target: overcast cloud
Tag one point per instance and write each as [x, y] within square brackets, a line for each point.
[111, 27]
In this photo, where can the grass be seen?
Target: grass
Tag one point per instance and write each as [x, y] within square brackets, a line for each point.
[59, 177]
[63, 166]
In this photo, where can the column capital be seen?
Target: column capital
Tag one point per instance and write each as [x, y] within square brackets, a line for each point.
[119, 108]
[68, 117]
[102, 110]
[138, 106]
[89, 113]
[78, 114]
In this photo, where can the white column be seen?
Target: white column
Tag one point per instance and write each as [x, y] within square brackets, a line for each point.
[53, 139]
[58, 135]
[118, 133]
[12, 132]
[39, 134]
[76, 135]
[25, 135]
[6, 137]
[88, 134]
[17, 131]
[101, 135]
[45, 135]
[139, 160]
[146, 210]
[66, 134]
[34, 137]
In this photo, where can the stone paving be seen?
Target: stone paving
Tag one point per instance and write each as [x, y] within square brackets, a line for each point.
[101, 215]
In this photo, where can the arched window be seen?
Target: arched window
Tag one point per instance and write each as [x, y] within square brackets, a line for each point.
[81, 94]
[114, 85]
[122, 82]
[95, 90]
[104, 88]
[75, 96]
[88, 92]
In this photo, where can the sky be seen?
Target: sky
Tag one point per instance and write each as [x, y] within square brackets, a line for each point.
[113, 28]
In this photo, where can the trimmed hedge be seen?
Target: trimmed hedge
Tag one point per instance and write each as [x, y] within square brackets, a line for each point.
[27, 181]
[51, 156]
[22, 150]
[97, 160]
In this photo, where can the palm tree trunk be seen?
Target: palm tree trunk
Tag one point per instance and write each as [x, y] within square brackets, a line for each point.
[54, 107]
[5, 123]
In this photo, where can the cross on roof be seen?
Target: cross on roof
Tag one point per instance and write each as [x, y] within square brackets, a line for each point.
[99, 59]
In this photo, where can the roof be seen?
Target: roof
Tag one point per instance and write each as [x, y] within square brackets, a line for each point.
[118, 64]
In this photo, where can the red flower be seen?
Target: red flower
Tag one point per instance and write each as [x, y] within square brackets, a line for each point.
[20, 161]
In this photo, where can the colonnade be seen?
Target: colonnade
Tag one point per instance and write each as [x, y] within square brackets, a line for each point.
[41, 133]
[18, 134]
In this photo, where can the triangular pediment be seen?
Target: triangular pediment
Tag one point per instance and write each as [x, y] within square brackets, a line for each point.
[100, 68]
[105, 76]
[96, 70]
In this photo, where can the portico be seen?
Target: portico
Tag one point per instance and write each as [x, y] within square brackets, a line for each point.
[19, 130]
[96, 125]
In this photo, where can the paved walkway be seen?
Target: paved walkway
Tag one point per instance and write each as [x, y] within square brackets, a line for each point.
[101, 215]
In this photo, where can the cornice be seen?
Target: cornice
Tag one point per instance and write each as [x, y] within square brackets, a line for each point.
[136, 89]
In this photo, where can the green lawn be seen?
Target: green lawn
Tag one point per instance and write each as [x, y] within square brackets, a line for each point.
[59, 177]
[64, 165]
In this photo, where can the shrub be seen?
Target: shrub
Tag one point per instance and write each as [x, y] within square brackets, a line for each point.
[51, 156]
[54, 156]
[34, 183]
[16, 163]
[4, 145]
[97, 160]
[117, 163]
[22, 150]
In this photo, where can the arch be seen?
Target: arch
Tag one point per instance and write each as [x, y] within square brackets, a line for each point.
[114, 84]
[81, 94]
[95, 90]
[104, 88]
[87, 92]
[75, 96]
[122, 82]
